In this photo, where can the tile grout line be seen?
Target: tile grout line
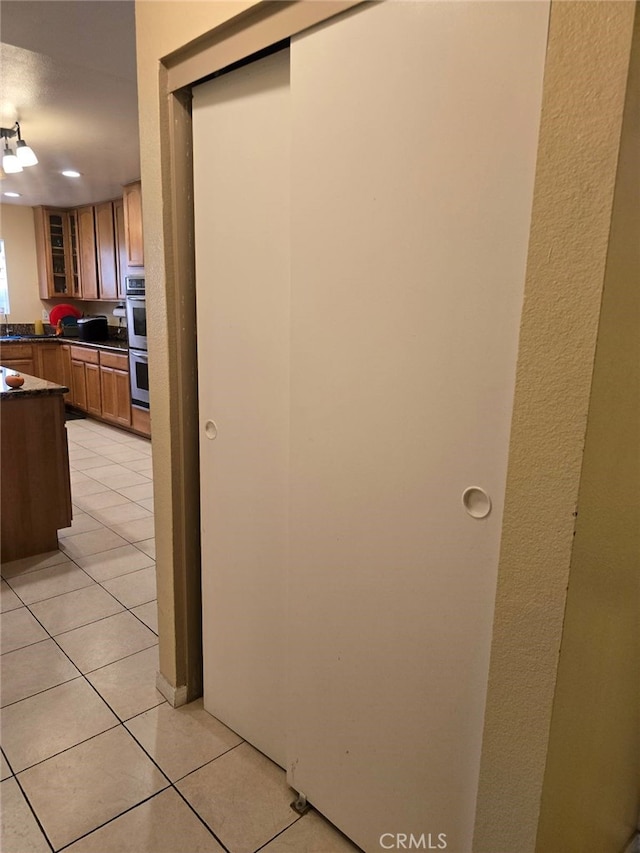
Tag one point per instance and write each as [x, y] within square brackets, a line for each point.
[125, 608]
[28, 802]
[278, 834]
[49, 636]
[119, 722]
[115, 817]
[81, 675]
[122, 723]
[85, 587]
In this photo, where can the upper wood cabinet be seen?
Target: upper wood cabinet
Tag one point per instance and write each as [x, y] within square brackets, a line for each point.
[98, 251]
[132, 197]
[87, 252]
[121, 246]
[57, 252]
[74, 259]
[106, 250]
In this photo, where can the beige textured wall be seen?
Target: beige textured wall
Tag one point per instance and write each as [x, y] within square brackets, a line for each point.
[583, 100]
[161, 28]
[591, 794]
[17, 231]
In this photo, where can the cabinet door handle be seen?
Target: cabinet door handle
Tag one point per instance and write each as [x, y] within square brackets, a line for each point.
[210, 429]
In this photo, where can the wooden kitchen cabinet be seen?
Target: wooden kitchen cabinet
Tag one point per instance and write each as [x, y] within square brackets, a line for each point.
[85, 379]
[65, 368]
[132, 199]
[97, 242]
[87, 252]
[106, 250]
[115, 386]
[141, 420]
[56, 251]
[48, 362]
[98, 380]
[122, 269]
[19, 357]
[45, 360]
[78, 385]
[94, 391]
[74, 259]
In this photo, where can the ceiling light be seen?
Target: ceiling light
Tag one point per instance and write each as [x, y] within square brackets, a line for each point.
[70, 173]
[24, 156]
[10, 162]
[23, 152]
[12, 195]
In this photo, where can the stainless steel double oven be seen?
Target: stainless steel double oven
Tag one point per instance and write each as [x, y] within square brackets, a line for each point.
[137, 335]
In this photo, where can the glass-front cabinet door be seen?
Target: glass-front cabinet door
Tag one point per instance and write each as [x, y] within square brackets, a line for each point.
[73, 265]
[57, 251]
[58, 236]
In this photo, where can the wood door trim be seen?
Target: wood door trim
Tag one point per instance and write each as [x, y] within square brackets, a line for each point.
[255, 29]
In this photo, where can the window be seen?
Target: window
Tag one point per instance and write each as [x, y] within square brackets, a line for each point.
[4, 285]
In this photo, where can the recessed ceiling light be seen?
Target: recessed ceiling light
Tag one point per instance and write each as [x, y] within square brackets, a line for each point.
[70, 173]
[12, 195]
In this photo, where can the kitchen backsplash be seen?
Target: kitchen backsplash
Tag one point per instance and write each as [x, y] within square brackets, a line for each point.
[115, 332]
[90, 308]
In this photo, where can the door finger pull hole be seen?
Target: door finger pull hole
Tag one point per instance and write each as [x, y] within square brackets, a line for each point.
[210, 430]
[476, 502]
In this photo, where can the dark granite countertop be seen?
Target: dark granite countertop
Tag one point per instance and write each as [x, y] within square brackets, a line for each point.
[111, 344]
[21, 339]
[33, 387]
[117, 344]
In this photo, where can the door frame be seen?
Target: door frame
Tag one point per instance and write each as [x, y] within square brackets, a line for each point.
[235, 40]
[581, 150]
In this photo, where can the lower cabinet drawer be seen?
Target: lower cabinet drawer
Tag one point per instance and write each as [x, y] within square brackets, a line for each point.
[113, 359]
[12, 352]
[85, 354]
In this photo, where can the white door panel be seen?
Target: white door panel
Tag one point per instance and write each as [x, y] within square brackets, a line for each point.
[241, 154]
[361, 239]
[413, 154]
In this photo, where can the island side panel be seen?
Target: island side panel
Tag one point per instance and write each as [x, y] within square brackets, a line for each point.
[36, 488]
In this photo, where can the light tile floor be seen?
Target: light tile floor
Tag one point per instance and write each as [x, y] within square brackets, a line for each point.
[93, 759]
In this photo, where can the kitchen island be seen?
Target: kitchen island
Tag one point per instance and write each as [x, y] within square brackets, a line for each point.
[36, 487]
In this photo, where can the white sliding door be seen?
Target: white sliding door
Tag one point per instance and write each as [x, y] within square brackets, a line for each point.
[361, 240]
[414, 139]
[241, 155]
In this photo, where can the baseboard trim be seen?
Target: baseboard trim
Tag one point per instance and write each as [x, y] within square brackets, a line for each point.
[634, 845]
[175, 696]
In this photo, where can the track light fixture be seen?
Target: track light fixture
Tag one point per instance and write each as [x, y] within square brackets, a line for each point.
[15, 161]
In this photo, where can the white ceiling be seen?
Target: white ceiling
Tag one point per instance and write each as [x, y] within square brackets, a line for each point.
[68, 73]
